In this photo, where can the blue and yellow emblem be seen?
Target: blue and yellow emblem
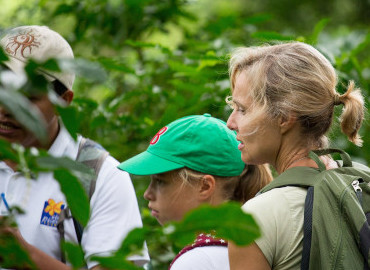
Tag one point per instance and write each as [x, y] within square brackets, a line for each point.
[51, 212]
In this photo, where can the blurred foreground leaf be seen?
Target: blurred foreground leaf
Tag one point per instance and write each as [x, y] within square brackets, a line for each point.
[75, 195]
[132, 244]
[227, 220]
[24, 112]
[74, 255]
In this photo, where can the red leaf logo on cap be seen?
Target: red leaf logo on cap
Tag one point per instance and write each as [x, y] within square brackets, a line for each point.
[158, 135]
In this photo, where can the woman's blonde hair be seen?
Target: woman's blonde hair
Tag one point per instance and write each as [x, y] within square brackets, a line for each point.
[296, 78]
[234, 188]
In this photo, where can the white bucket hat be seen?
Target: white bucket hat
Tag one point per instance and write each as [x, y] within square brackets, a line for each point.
[39, 43]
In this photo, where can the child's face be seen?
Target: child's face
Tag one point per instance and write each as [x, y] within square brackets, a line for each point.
[170, 198]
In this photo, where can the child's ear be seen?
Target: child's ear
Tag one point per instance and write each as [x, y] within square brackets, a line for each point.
[207, 187]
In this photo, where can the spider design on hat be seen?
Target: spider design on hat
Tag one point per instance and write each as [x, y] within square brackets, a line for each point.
[22, 41]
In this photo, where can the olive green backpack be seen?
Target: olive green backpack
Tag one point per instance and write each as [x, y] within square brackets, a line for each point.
[336, 215]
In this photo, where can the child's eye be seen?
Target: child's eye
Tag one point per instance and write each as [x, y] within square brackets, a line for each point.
[159, 182]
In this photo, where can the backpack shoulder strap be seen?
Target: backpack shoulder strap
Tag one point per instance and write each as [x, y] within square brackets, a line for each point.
[93, 156]
[296, 176]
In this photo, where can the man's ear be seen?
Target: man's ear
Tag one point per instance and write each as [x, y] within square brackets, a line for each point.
[67, 96]
[207, 187]
[286, 122]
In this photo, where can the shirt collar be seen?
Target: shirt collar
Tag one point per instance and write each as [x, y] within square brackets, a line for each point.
[61, 144]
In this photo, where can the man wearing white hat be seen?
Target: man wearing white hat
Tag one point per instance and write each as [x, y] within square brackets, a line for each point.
[114, 208]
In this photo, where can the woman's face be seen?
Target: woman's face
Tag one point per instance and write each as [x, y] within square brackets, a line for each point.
[169, 198]
[259, 136]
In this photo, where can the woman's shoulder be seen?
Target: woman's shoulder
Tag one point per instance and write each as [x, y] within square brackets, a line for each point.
[276, 197]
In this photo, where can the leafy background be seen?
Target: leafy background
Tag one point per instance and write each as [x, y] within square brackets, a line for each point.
[144, 63]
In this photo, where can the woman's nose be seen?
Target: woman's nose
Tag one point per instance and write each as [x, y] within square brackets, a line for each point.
[231, 124]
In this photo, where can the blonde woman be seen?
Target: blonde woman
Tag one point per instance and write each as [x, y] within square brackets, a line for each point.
[283, 98]
[192, 161]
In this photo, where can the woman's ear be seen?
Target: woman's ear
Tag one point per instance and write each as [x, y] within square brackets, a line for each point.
[207, 187]
[286, 122]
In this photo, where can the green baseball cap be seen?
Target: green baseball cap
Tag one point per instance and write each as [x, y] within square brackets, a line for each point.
[199, 142]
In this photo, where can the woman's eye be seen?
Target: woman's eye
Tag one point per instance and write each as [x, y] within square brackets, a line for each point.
[241, 110]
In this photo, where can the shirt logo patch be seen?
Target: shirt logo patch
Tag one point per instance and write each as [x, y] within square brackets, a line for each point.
[51, 212]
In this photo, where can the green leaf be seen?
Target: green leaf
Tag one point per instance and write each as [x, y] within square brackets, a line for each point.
[54, 163]
[24, 112]
[115, 262]
[317, 30]
[70, 119]
[3, 56]
[12, 254]
[92, 71]
[75, 195]
[267, 35]
[74, 254]
[112, 64]
[134, 241]
[6, 151]
[227, 220]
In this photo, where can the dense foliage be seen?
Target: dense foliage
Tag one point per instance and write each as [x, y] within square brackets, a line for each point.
[144, 63]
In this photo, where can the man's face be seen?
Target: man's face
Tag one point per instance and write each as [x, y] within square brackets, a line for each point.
[12, 131]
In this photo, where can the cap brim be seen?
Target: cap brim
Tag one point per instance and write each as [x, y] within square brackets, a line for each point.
[147, 164]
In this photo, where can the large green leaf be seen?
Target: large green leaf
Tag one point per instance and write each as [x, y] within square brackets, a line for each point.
[92, 71]
[132, 244]
[70, 119]
[228, 221]
[134, 241]
[74, 255]
[115, 262]
[24, 112]
[75, 195]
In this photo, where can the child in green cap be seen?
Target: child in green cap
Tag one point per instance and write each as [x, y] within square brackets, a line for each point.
[191, 161]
